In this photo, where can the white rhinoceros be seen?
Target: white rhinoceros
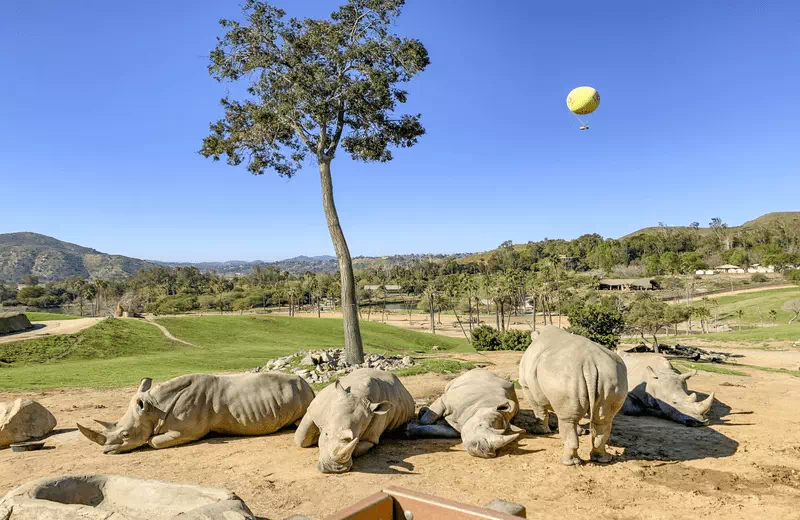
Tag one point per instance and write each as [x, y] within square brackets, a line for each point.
[656, 388]
[347, 418]
[188, 408]
[573, 377]
[477, 406]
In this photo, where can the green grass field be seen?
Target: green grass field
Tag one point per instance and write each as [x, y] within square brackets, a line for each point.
[121, 352]
[776, 333]
[49, 316]
[756, 306]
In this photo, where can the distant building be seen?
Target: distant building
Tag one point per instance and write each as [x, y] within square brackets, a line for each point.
[728, 268]
[390, 288]
[628, 284]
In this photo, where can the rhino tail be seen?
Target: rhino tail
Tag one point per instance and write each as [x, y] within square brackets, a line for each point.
[592, 389]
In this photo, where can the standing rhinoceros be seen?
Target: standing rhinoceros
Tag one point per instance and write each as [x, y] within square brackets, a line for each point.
[573, 376]
[347, 419]
[478, 406]
[656, 388]
[187, 408]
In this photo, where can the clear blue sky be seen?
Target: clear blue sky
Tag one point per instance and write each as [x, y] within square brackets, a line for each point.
[103, 106]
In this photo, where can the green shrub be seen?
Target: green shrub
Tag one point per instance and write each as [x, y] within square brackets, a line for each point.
[485, 338]
[794, 276]
[600, 322]
[759, 278]
[515, 340]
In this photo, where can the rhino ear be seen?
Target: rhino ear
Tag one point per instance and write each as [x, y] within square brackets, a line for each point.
[380, 408]
[144, 386]
[340, 389]
[508, 406]
[652, 372]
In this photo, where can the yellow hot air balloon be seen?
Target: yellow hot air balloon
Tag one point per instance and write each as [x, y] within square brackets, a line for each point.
[583, 101]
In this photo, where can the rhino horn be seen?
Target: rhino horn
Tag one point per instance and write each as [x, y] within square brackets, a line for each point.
[692, 397]
[346, 453]
[92, 435]
[106, 425]
[687, 375]
[704, 406]
[498, 441]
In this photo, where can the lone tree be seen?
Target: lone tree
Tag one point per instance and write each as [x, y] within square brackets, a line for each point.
[313, 85]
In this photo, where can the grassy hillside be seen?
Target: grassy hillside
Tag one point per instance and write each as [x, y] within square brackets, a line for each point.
[49, 259]
[757, 305]
[120, 352]
[792, 217]
[777, 333]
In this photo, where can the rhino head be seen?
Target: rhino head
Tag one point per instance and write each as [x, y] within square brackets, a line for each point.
[483, 433]
[348, 417]
[672, 397]
[134, 429]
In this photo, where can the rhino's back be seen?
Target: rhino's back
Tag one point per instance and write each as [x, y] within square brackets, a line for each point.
[244, 404]
[573, 370]
[474, 390]
[376, 386]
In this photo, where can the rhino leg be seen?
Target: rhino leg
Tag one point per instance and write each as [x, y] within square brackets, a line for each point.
[439, 430]
[600, 434]
[569, 436]
[542, 419]
[307, 433]
[169, 439]
[362, 448]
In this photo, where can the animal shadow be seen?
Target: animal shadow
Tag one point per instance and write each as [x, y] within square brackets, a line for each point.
[652, 438]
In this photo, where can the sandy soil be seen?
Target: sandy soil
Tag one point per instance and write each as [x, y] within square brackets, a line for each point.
[50, 328]
[745, 465]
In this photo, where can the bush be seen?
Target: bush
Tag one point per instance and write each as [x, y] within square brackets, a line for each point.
[759, 278]
[515, 340]
[794, 276]
[600, 322]
[486, 338]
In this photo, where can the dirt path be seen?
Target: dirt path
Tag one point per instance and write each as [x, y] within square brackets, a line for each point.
[746, 464]
[50, 328]
[733, 293]
[149, 318]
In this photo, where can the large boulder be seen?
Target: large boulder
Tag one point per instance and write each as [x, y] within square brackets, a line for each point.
[14, 322]
[22, 420]
[113, 497]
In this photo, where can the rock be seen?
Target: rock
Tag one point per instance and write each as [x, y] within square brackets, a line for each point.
[435, 348]
[13, 322]
[77, 497]
[22, 420]
[307, 360]
[509, 508]
[407, 361]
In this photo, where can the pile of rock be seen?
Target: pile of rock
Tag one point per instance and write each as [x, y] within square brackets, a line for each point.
[321, 366]
[692, 353]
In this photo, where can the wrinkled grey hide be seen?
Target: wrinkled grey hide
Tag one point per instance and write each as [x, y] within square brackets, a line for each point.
[347, 419]
[572, 377]
[478, 406]
[656, 388]
[188, 408]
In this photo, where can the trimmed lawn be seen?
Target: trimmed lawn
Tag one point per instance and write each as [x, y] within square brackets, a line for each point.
[121, 352]
[50, 316]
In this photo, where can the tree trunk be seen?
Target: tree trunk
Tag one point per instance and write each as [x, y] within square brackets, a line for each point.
[797, 313]
[469, 303]
[534, 312]
[502, 316]
[478, 309]
[432, 312]
[497, 316]
[655, 344]
[354, 350]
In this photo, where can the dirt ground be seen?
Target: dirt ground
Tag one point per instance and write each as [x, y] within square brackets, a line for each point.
[746, 464]
[49, 328]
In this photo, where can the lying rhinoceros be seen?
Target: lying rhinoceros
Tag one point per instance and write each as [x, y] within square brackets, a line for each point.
[478, 406]
[573, 377]
[188, 408]
[347, 419]
[656, 388]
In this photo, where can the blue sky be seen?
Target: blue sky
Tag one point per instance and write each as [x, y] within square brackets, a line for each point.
[103, 106]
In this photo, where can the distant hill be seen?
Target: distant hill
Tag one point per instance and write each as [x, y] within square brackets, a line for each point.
[296, 265]
[788, 217]
[49, 259]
